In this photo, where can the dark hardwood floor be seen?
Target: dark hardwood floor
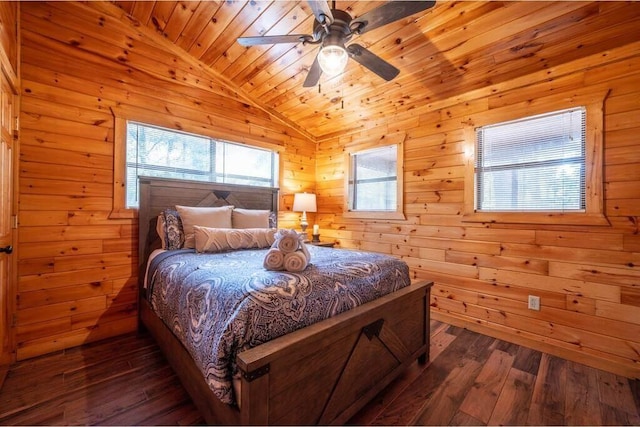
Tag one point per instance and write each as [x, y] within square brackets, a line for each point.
[471, 380]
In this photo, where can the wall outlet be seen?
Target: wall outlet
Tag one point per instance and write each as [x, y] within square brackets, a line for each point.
[534, 303]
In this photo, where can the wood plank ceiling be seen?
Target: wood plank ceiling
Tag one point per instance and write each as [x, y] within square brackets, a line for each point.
[451, 49]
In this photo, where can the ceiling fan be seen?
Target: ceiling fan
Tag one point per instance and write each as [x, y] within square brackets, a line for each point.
[333, 28]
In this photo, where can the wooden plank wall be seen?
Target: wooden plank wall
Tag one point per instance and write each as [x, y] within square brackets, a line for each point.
[77, 267]
[8, 36]
[588, 277]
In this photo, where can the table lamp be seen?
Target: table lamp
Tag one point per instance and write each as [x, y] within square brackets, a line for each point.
[304, 202]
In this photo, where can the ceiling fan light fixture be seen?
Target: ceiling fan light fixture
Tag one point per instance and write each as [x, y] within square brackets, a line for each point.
[334, 28]
[333, 59]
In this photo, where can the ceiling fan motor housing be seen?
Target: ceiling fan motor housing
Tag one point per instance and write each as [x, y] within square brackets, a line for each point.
[337, 33]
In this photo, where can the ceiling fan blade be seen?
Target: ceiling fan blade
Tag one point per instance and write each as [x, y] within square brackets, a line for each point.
[289, 38]
[372, 62]
[387, 13]
[313, 77]
[321, 9]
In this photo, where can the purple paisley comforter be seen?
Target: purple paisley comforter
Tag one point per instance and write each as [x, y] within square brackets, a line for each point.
[220, 304]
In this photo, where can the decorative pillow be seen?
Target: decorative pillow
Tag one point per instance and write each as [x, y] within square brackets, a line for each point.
[224, 239]
[173, 233]
[219, 217]
[250, 218]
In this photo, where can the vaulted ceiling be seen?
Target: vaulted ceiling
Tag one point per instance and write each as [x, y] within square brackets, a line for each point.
[449, 50]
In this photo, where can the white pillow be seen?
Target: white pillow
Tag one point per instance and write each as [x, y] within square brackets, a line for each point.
[219, 217]
[224, 239]
[250, 218]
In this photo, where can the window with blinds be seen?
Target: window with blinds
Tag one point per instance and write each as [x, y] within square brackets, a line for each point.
[532, 164]
[165, 153]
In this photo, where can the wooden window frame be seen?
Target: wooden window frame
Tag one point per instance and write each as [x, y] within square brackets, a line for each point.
[120, 209]
[594, 145]
[122, 115]
[389, 140]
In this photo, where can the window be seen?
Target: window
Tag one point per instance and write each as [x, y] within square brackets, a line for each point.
[374, 183]
[373, 180]
[532, 164]
[537, 163]
[154, 151]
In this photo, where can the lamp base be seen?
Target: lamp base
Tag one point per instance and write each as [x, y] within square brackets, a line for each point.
[303, 221]
[316, 238]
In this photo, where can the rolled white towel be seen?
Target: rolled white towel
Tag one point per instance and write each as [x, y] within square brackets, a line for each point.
[285, 232]
[287, 242]
[295, 261]
[274, 260]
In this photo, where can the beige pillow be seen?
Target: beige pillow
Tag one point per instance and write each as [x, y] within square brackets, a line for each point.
[250, 218]
[224, 239]
[160, 230]
[219, 217]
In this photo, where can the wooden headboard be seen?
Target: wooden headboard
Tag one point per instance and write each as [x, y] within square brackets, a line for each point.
[157, 194]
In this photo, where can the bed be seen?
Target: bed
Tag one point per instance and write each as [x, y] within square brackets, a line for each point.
[320, 374]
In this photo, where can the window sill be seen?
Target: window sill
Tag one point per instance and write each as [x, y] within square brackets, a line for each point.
[374, 215]
[545, 218]
[125, 213]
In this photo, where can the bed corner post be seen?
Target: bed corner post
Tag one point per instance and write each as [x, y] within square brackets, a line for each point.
[424, 358]
[143, 229]
[255, 397]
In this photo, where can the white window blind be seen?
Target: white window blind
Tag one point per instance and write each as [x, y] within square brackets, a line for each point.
[165, 153]
[532, 164]
[373, 183]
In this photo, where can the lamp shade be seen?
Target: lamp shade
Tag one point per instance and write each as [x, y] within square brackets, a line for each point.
[304, 202]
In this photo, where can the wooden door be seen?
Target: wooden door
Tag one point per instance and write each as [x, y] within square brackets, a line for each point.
[7, 120]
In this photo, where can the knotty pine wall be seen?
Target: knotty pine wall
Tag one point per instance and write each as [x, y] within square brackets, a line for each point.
[8, 41]
[588, 277]
[77, 266]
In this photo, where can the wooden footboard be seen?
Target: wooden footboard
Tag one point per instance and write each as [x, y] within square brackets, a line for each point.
[322, 374]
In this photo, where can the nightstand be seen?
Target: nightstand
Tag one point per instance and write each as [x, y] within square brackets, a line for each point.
[323, 244]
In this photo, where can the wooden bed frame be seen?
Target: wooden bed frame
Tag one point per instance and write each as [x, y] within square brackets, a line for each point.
[321, 374]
